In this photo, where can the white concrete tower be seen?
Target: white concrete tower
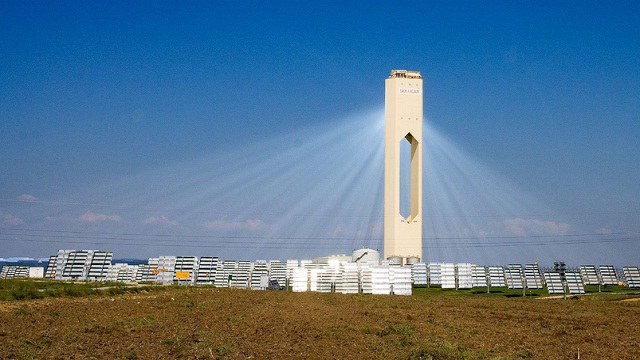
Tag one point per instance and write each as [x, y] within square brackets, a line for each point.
[403, 120]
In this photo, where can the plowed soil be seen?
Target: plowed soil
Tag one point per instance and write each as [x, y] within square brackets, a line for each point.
[215, 323]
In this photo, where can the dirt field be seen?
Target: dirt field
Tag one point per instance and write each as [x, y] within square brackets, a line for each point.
[214, 323]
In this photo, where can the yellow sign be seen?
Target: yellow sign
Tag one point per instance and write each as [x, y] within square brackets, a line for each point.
[183, 275]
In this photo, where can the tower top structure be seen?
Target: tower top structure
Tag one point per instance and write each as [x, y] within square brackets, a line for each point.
[405, 74]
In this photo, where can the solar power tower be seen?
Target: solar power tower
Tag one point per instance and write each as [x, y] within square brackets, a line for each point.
[403, 121]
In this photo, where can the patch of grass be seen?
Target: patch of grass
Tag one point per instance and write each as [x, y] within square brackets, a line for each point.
[224, 349]
[26, 289]
[392, 330]
[102, 329]
[389, 330]
[611, 289]
[147, 321]
[442, 351]
[234, 319]
[178, 345]
[25, 311]
[193, 304]
[169, 341]
[368, 330]
[512, 293]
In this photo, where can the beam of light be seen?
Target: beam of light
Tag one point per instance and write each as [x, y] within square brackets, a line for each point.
[465, 198]
[311, 192]
[324, 181]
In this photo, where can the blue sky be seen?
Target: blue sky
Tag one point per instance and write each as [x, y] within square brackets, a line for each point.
[99, 99]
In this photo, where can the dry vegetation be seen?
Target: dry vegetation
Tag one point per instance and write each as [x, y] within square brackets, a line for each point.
[214, 323]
